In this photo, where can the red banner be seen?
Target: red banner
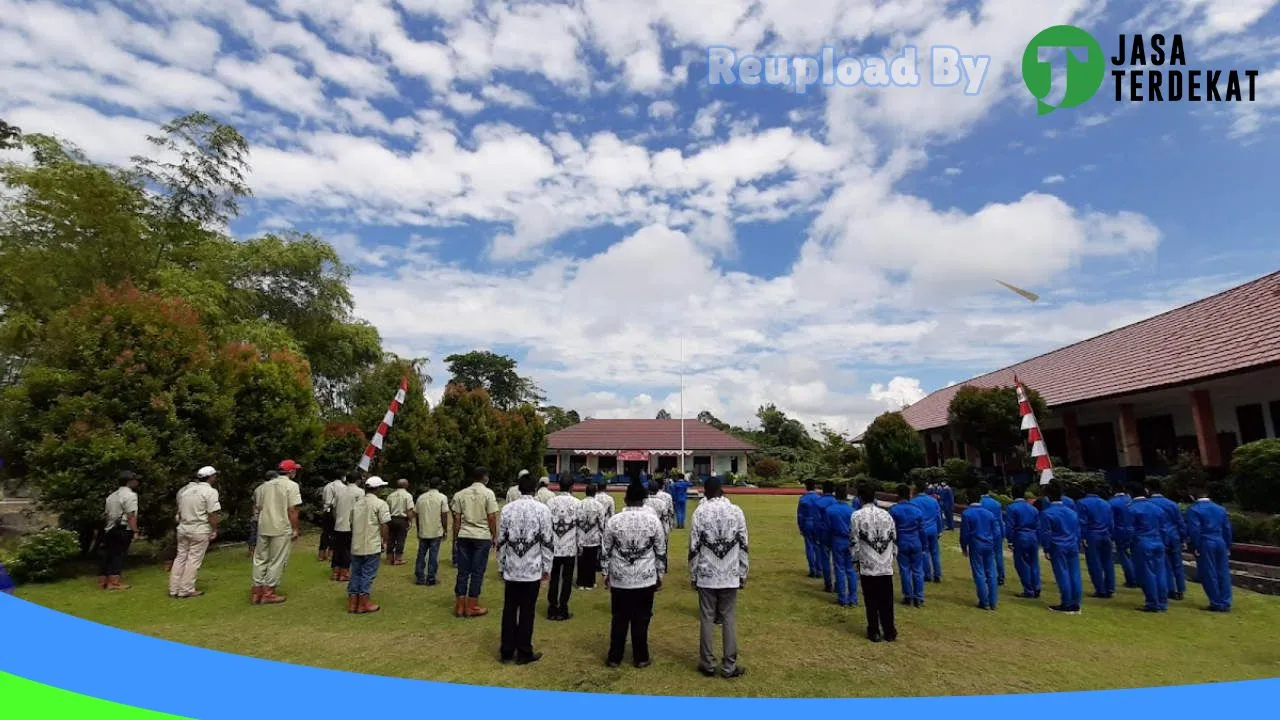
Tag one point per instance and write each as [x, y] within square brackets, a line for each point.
[633, 455]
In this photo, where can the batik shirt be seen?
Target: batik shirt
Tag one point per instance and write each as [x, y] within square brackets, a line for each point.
[591, 518]
[655, 505]
[524, 541]
[668, 509]
[634, 553]
[564, 524]
[718, 545]
[873, 541]
[606, 502]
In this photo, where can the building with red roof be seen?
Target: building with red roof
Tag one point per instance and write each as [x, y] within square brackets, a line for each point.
[652, 445]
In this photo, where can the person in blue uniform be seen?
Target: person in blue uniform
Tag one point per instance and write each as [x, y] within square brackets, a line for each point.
[1122, 551]
[1096, 527]
[932, 513]
[1022, 527]
[839, 516]
[909, 521]
[1145, 529]
[806, 509]
[1069, 502]
[1209, 534]
[824, 501]
[979, 541]
[1060, 538]
[993, 506]
[947, 499]
[1175, 538]
[680, 497]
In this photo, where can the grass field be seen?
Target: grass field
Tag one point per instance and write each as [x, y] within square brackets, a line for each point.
[794, 641]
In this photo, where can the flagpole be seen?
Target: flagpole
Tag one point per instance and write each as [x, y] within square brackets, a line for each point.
[682, 403]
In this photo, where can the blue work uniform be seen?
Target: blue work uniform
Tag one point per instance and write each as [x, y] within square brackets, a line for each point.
[947, 499]
[1123, 552]
[994, 507]
[806, 510]
[1060, 538]
[1096, 526]
[1071, 504]
[838, 519]
[932, 552]
[680, 499]
[980, 539]
[823, 502]
[1175, 537]
[1145, 530]
[909, 521]
[1209, 533]
[1022, 526]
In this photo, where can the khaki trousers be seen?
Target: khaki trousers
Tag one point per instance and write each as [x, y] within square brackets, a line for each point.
[269, 560]
[186, 564]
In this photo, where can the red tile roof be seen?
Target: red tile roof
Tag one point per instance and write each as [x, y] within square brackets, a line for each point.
[644, 435]
[1235, 330]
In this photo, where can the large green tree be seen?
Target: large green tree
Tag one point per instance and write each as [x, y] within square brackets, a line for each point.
[989, 420]
[406, 448]
[893, 447]
[557, 418]
[496, 375]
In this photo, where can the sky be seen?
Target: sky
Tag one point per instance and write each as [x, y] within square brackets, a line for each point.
[561, 182]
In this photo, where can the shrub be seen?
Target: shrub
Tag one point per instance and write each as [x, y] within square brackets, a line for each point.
[1255, 470]
[960, 474]
[1005, 500]
[1185, 472]
[42, 557]
[927, 475]
[1255, 529]
[767, 469]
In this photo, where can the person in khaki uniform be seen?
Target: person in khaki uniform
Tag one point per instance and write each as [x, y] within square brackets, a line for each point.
[345, 499]
[198, 509]
[276, 503]
[401, 504]
[431, 515]
[475, 527]
[121, 530]
[369, 519]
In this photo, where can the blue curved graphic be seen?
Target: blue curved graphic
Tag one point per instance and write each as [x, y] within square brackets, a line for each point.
[79, 656]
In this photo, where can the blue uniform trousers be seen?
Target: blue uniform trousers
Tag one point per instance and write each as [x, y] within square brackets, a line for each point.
[1066, 573]
[1124, 554]
[1102, 570]
[1213, 568]
[1151, 567]
[911, 570]
[982, 561]
[846, 583]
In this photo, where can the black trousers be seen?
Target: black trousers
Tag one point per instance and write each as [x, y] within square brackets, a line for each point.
[588, 565]
[518, 606]
[877, 595]
[115, 547]
[341, 550]
[326, 532]
[397, 530]
[632, 610]
[561, 585]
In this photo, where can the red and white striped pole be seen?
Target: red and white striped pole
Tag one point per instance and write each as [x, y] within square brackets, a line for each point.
[387, 421]
[1040, 453]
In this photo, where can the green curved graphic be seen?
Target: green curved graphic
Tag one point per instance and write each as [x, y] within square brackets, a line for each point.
[22, 699]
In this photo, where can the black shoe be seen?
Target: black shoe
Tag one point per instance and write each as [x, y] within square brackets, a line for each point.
[420, 581]
[1132, 586]
[643, 664]
[1058, 608]
[530, 659]
[566, 615]
[612, 664]
[1176, 596]
[917, 603]
[707, 672]
[827, 588]
[1037, 594]
[506, 660]
[906, 601]
[1000, 583]
[552, 615]
[432, 583]
[737, 672]
[890, 638]
[1147, 609]
[983, 606]
[873, 636]
[1026, 595]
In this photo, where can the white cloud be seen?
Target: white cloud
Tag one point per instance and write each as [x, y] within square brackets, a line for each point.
[952, 171]
[1250, 117]
[662, 110]
[1053, 179]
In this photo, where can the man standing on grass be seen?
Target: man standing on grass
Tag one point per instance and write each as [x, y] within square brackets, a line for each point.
[591, 519]
[122, 528]
[805, 511]
[873, 541]
[993, 506]
[565, 539]
[400, 502]
[718, 564]
[475, 529]
[1096, 524]
[824, 501]
[525, 551]
[198, 509]
[908, 524]
[1146, 532]
[680, 496]
[513, 492]
[1209, 533]
[431, 517]
[1122, 547]
[1022, 530]
[932, 511]
[370, 521]
[634, 560]
[275, 504]
[605, 499]
[1060, 538]
[328, 496]
[980, 541]
[1175, 539]
[342, 506]
[837, 522]
[668, 504]
[947, 499]
[544, 493]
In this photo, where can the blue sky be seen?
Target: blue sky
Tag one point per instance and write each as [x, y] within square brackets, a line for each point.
[560, 182]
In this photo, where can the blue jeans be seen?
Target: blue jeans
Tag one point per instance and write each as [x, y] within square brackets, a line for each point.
[846, 583]
[473, 560]
[911, 569]
[364, 568]
[424, 570]
[982, 561]
[1102, 569]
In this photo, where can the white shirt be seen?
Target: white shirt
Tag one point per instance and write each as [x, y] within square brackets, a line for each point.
[329, 495]
[668, 509]
[197, 500]
[591, 519]
[718, 545]
[634, 549]
[344, 501]
[513, 493]
[606, 502]
[119, 504]
[564, 524]
[873, 540]
[524, 541]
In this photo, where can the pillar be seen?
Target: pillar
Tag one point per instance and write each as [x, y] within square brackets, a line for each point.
[930, 451]
[1130, 444]
[1206, 431]
[1075, 453]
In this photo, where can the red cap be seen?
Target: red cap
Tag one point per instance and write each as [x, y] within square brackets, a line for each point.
[289, 466]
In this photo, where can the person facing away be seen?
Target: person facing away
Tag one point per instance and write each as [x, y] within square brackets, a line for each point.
[591, 519]
[566, 539]
[513, 492]
[1059, 533]
[680, 498]
[1022, 531]
[718, 564]
[431, 519]
[345, 500]
[824, 501]
[932, 513]
[1097, 524]
[908, 523]
[1145, 529]
[328, 496]
[605, 499]
[668, 504]
[805, 511]
[979, 541]
[275, 504]
[198, 510]
[1122, 547]
[836, 523]
[652, 503]
[993, 506]
[873, 540]
[544, 493]
[526, 548]
[1209, 534]
[121, 514]
[370, 532]
[400, 502]
[634, 559]
[947, 499]
[1175, 538]
[475, 529]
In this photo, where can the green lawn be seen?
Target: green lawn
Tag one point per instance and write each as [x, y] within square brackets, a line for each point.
[794, 641]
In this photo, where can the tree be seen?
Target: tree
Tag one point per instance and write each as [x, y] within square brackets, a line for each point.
[557, 418]
[988, 418]
[1255, 473]
[837, 457]
[405, 450]
[893, 447]
[206, 181]
[663, 415]
[10, 136]
[496, 375]
[782, 430]
[706, 417]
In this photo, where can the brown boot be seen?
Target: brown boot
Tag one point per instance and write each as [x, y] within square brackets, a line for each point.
[335, 575]
[113, 583]
[346, 575]
[269, 597]
[102, 582]
[474, 609]
[353, 604]
[459, 607]
[366, 606]
[255, 597]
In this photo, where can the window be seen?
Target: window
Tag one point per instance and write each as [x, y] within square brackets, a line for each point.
[608, 464]
[668, 463]
[702, 465]
[1275, 419]
[577, 462]
[1253, 426]
[733, 464]
[549, 463]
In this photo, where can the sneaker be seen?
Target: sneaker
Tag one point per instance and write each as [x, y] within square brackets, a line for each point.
[612, 664]
[529, 660]
[737, 672]
[1057, 608]
[707, 672]
[643, 664]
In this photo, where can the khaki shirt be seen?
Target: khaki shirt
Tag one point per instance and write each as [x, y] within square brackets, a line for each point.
[400, 502]
[273, 499]
[197, 500]
[344, 500]
[367, 517]
[431, 505]
[119, 504]
[330, 494]
[474, 505]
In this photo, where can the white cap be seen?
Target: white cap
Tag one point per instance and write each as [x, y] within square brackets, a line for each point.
[544, 480]
[375, 482]
[206, 472]
[522, 473]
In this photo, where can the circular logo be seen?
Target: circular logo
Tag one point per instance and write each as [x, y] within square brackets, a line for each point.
[1083, 75]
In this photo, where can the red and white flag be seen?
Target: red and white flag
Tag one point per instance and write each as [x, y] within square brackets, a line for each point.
[1039, 453]
[387, 421]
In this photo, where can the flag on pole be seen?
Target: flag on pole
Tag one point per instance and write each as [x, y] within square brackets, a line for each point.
[387, 421]
[1039, 453]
